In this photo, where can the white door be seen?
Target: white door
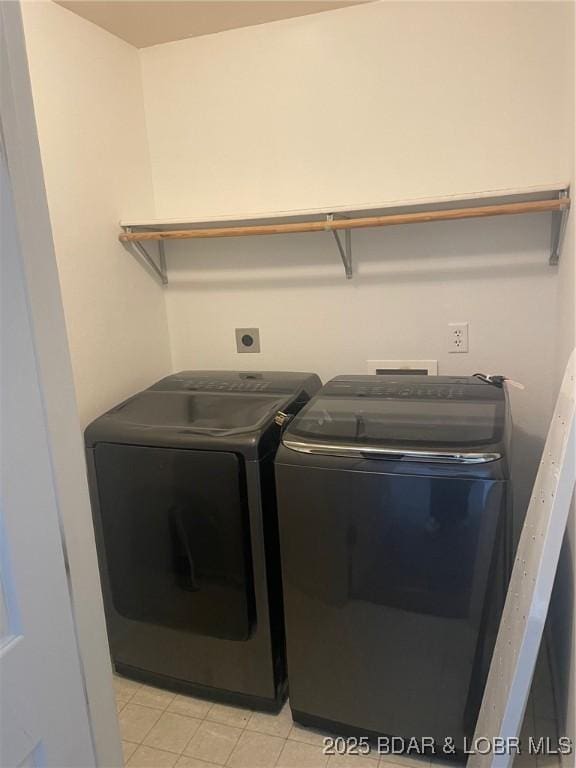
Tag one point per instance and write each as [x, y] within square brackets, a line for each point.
[43, 710]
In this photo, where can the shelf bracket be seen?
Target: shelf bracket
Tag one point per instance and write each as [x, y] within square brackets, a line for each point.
[344, 250]
[558, 229]
[158, 267]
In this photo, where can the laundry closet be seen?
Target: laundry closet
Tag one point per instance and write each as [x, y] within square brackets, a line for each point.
[370, 188]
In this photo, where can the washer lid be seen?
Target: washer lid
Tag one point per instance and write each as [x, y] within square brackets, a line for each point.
[410, 417]
[199, 412]
[207, 410]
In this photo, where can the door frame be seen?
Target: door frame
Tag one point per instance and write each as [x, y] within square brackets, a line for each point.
[56, 384]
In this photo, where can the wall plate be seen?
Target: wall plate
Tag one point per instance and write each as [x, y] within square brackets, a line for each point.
[247, 339]
[457, 337]
[400, 367]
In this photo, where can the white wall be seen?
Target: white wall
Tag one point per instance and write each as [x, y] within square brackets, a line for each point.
[385, 101]
[88, 102]
[374, 103]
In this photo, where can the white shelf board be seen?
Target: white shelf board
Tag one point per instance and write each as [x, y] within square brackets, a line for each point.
[355, 208]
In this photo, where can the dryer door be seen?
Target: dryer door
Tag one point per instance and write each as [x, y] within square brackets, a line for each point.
[176, 538]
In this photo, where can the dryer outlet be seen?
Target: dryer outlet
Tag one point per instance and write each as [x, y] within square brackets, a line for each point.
[247, 339]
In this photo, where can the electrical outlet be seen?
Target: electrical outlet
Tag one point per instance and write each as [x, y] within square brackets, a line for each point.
[457, 337]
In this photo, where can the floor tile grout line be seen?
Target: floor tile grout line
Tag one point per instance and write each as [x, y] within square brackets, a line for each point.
[159, 749]
[191, 737]
[146, 706]
[207, 760]
[126, 701]
[205, 719]
[141, 742]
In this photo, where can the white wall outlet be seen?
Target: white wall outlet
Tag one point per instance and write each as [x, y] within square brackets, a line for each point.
[457, 337]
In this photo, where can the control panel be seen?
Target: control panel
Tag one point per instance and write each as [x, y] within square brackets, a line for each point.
[223, 385]
[400, 389]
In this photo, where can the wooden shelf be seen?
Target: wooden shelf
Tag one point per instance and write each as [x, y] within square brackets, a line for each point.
[551, 200]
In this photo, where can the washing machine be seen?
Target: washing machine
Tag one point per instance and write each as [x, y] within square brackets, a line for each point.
[183, 500]
[393, 503]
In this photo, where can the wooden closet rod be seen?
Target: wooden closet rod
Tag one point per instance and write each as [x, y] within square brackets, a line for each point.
[329, 224]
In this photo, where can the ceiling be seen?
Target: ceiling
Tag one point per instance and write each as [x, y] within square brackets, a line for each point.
[151, 22]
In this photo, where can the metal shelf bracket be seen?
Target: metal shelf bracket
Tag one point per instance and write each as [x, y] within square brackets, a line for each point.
[344, 250]
[558, 229]
[158, 267]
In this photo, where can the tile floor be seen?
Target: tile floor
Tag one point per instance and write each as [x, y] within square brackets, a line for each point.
[162, 730]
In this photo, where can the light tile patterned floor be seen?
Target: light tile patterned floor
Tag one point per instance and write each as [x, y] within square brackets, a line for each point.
[165, 730]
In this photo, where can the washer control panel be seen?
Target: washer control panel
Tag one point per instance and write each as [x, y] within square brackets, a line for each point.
[411, 388]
